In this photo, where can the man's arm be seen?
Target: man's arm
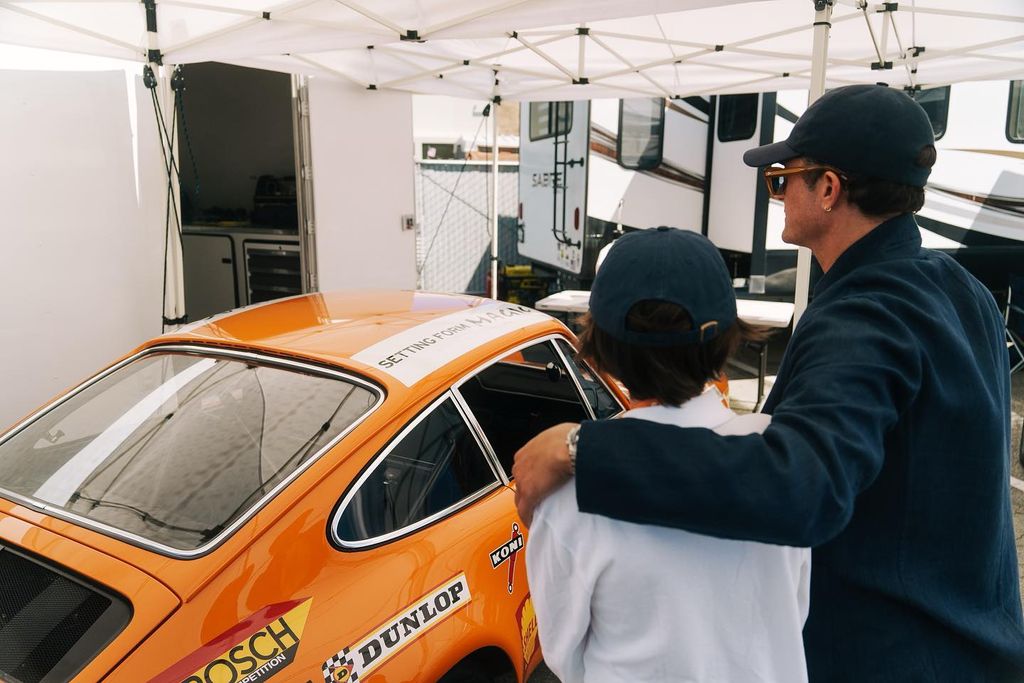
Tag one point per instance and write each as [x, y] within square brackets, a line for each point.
[854, 366]
[540, 467]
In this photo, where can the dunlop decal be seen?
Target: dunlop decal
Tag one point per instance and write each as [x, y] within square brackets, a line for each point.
[527, 619]
[260, 656]
[507, 552]
[411, 355]
[356, 661]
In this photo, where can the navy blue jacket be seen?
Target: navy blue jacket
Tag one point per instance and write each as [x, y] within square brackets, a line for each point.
[888, 453]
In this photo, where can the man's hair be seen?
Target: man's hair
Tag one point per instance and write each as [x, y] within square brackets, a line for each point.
[670, 375]
[876, 197]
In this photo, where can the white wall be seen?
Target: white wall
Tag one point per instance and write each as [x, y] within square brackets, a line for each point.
[82, 226]
[437, 118]
[363, 183]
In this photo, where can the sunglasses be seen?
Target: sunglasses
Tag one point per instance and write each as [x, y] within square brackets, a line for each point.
[775, 177]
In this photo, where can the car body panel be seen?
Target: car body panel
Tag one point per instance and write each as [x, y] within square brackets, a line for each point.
[151, 601]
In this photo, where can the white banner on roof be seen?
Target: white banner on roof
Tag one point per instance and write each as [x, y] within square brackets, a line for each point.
[412, 354]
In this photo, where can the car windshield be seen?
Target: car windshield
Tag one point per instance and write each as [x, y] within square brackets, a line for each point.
[173, 447]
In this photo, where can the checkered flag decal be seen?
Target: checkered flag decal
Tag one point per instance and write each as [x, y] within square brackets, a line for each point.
[340, 668]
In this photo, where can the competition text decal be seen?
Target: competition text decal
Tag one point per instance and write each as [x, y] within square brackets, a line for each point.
[357, 661]
[259, 656]
[411, 355]
[527, 619]
[507, 553]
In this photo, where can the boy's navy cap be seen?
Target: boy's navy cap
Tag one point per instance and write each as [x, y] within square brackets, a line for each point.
[664, 264]
[870, 131]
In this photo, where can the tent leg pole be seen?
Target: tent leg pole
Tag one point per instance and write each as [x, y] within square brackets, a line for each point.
[494, 200]
[819, 61]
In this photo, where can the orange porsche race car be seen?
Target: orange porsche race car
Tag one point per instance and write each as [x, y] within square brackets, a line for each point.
[312, 489]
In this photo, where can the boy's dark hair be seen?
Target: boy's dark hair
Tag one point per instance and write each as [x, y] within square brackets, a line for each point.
[670, 375]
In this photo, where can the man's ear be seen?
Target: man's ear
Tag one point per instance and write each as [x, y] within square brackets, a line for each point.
[830, 188]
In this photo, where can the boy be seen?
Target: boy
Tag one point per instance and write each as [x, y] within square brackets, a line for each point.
[620, 601]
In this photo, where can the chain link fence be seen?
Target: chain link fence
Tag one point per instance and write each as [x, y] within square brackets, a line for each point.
[453, 233]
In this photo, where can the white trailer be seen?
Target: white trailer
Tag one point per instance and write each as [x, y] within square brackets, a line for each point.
[589, 171]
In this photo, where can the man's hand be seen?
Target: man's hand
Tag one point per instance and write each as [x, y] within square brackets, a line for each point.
[541, 466]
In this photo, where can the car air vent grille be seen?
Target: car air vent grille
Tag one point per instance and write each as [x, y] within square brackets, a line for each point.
[273, 271]
[51, 623]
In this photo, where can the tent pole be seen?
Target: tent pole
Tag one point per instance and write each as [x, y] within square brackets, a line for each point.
[174, 306]
[819, 59]
[494, 196]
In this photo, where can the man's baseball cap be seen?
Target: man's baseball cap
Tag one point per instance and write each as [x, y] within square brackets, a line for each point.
[663, 264]
[870, 131]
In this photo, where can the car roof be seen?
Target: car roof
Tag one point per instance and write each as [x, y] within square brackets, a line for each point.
[397, 338]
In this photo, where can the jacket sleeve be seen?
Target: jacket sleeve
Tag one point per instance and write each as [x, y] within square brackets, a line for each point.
[853, 366]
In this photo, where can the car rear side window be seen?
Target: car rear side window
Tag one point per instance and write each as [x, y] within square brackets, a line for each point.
[173, 448]
[520, 396]
[432, 467]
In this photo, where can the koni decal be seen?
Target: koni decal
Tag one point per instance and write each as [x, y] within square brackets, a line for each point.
[507, 552]
[356, 661]
[247, 656]
[413, 354]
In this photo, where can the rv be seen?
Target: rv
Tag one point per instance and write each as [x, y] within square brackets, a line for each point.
[591, 170]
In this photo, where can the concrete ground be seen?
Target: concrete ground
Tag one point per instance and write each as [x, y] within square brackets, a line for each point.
[743, 390]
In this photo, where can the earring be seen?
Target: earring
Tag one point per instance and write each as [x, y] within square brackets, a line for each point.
[827, 209]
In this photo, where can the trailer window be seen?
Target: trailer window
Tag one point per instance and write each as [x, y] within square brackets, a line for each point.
[641, 132]
[548, 119]
[935, 102]
[1015, 113]
[737, 117]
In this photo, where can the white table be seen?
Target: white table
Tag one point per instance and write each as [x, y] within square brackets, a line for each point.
[776, 314]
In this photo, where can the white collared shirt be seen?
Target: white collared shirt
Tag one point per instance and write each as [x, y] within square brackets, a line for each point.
[617, 601]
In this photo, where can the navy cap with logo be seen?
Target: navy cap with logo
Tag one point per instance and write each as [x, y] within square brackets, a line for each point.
[663, 264]
[870, 131]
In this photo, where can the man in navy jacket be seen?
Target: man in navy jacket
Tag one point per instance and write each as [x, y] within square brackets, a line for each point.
[888, 450]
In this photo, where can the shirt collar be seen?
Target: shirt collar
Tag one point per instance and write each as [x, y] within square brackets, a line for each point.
[705, 410]
[898, 237]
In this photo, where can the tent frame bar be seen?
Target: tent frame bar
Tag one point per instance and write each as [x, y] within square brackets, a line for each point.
[534, 47]
[71, 27]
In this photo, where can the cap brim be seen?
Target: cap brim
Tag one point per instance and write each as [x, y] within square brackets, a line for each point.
[769, 154]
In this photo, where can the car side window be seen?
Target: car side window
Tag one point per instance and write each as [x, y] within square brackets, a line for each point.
[435, 464]
[521, 395]
[602, 401]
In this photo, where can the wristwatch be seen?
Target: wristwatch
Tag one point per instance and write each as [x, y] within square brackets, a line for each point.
[572, 440]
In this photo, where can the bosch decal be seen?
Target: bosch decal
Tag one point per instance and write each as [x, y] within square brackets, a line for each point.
[356, 661]
[259, 656]
[507, 553]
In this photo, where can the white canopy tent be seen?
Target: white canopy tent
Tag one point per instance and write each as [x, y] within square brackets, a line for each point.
[548, 49]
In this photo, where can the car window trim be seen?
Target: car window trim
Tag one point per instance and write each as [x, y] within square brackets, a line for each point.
[380, 457]
[206, 352]
[576, 381]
